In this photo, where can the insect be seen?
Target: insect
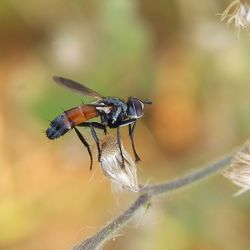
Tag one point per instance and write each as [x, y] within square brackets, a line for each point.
[113, 112]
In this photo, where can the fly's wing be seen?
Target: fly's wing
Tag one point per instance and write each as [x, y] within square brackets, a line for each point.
[79, 88]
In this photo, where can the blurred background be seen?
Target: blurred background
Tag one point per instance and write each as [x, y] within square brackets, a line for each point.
[176, 53]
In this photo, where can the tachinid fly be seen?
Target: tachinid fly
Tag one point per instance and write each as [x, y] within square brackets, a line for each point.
[113, 113]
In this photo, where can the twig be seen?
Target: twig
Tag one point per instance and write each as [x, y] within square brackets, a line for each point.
[108, 231]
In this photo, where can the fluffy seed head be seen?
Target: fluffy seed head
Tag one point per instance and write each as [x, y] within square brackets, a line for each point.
[238, 12]
[123, 177]
[239, 170]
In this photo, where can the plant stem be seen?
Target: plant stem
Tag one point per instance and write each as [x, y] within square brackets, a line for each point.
[109, 230]
[195, 176]
[105, 233]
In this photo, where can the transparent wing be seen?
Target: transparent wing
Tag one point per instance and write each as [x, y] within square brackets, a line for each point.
[77, 87]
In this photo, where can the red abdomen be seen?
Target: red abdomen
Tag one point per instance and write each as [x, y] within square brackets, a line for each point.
[70, 118]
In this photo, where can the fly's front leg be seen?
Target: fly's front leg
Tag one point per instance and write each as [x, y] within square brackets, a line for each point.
[85, 143]
[131, 128]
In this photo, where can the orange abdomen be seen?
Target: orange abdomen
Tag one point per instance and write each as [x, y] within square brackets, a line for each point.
[81, 114]
[70, 118]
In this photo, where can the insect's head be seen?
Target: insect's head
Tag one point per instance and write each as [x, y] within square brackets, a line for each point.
[135, 107]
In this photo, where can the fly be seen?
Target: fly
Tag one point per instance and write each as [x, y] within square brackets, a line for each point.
[113, 112]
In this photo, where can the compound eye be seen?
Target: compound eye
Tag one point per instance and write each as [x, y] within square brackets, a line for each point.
[135, 108]
[139, 106]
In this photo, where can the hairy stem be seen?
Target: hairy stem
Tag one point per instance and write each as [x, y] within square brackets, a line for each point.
[109, 230]
[195, 176]
[105, 234]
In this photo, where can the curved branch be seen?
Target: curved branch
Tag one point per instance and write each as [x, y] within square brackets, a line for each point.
[108, 231]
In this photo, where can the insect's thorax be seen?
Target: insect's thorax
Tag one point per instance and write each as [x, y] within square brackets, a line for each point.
[113, 112]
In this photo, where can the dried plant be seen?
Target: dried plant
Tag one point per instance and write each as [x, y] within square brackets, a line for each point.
[238, 12]
[239, 170]
[146, 194]
[122, 177]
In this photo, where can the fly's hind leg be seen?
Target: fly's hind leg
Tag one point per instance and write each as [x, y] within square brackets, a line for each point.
[92, 126]
[85, 143]
[96, 141]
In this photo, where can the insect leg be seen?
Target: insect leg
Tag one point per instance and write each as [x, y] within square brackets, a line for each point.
[119, 144]
[131, 128]
[96, 140]
[123, 123]
[100, 126]
[95, 125]
[85, 143]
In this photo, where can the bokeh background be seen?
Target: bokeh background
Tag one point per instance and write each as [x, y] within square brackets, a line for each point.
[174, 52]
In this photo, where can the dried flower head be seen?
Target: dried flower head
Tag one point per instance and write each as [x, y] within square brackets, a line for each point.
[237, 12]
[123, 177]
[239, 170]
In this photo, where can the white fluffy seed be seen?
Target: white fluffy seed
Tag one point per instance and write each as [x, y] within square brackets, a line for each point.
[122, 177]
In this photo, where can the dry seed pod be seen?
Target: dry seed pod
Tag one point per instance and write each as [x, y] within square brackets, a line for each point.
[239, 170]
[238, 12]
[123, 177]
